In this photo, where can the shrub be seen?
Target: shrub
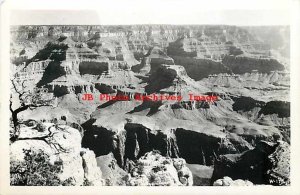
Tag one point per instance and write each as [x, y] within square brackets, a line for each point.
[35, 170]
[86, 182]
[108, 182]
[69, 182]
[165, 162]
[40, 127]
[152, 178]
[140, 168]
[158, 168]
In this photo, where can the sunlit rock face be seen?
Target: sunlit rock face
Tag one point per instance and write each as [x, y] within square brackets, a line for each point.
[152, 60]
[152, 169]
[92, 173]
[62, 144]
[240, 65]
[227, 181]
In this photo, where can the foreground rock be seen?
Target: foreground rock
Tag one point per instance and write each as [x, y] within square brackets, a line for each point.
[111, 172]
[155, 170]
[201, 174]
[62, 144]
[227, 181]
[267, 163]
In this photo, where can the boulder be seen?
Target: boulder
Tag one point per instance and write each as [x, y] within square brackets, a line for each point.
[62, 144]
[227, 181]
[152, 169]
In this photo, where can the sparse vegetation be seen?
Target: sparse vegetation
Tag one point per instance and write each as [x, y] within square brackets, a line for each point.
[28, 99]
[140, 168]
[86, 182]
[35, 170]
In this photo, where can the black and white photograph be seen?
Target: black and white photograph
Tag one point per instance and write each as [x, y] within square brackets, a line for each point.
[147, 104]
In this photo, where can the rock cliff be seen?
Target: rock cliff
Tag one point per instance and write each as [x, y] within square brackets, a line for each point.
[267, 163]
[152, 169]
[62, 144]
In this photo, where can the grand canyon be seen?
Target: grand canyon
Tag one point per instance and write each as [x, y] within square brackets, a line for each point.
[240, 139]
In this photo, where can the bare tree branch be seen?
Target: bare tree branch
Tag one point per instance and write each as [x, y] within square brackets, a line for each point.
[28, 100]
[49, 139]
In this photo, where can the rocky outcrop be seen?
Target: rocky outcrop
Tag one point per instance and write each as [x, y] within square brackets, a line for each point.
[94, 68]
[162, 78]
[202, 46]
[198, 69]
[135, 139]
[267, 163]
[278, 172]
[282, 109]
[152, 61]
[227, 181]
[139, 127]
[144, 67]
[276, 113]
[201, 174]
[245, 103]
[112, 174]
[62, 144]
[152, 169]
[241, 65]
[92, 172]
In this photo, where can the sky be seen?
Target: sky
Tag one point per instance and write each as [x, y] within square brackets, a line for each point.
[115, 12]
